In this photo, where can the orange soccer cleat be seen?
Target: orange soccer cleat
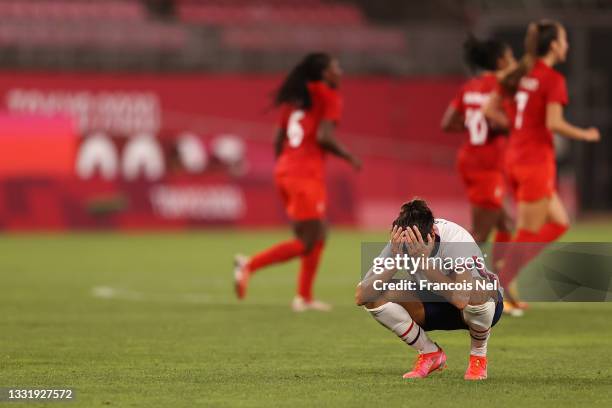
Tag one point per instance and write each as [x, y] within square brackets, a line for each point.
[241, 276]
[428, 363]
[512, 309]
[477, 368]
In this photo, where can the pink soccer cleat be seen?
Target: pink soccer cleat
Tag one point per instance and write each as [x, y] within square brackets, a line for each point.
[428, 363]
[477, 368]
[241, 276]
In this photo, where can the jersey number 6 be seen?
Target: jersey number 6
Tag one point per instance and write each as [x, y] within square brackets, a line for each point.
[295, 131]
[477, 126]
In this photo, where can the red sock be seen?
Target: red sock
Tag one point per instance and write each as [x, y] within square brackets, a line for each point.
[552, 231]
[308, 271]
[500, 244]
[278, 253]
[520, 255]
[516, 256]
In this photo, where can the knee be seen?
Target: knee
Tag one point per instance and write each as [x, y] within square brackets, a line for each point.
[310, 244]
[310, 241]
[479, 316]
[360, 299]
[479, 236]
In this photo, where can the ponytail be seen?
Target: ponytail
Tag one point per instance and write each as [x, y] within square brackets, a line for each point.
[538, 39]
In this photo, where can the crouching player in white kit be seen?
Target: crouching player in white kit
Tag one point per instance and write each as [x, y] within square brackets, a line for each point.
[472, 303]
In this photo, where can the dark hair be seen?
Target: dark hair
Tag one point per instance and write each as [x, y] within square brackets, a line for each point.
[416, 212]
[293, 89]
[483, 54]
[538, 40]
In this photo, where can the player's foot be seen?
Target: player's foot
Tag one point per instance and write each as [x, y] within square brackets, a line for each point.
[301, 305]
[512, 295]
[512, 309]
[241, 275]
[428, 363]
[522, 305]
[477, 368]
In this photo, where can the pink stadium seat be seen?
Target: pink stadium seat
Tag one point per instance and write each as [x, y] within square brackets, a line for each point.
[356, 39]
[72, 10]
[126, 37]
[269, 12]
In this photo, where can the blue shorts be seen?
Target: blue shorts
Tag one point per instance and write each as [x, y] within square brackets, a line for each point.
[441, 315]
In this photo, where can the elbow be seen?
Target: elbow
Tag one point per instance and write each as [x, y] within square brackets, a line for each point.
[359, 298]
[552, 128]
[553, 125]
[323, 137]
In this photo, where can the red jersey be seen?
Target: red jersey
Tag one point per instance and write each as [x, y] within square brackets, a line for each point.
[530, 141]
[301, 155]
[484, 148]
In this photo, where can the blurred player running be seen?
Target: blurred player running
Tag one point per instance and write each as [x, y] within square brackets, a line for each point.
[410, 314]
[311, 108]
[480, 160]
[539, 93]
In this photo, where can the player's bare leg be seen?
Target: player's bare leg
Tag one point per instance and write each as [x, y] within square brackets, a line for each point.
[483, 222]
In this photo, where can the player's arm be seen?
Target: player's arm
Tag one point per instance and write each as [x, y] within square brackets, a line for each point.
[494, 112]
[278, 142]
[452, 121]
[556, 123]
[458, 298]
[365, 291]
[418, 247]
[327, 141]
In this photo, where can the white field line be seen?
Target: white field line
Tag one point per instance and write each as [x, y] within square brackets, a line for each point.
[114, 293]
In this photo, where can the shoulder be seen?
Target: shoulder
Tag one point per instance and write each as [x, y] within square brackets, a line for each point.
[489, 82]
[320, 90]
[555, 77]
[285, 110]
[547, 74]
[452, 232]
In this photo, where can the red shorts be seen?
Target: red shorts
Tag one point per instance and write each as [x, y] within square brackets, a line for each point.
[532, 182]
[304, 198]
[485, 189]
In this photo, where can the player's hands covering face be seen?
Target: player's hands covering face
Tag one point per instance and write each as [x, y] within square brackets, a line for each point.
[415, 243]
[410, 239]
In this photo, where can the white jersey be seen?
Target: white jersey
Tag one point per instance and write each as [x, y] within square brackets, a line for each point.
[456, 243]
[455, 247]
[451, 232]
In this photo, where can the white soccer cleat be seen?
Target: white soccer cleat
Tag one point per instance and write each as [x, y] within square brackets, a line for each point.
[300, 305]
[512, 310]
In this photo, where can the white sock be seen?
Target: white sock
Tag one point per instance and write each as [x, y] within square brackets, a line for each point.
[395, 318]
[478, 319]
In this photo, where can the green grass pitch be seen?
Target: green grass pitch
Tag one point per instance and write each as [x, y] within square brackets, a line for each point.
[151, 320]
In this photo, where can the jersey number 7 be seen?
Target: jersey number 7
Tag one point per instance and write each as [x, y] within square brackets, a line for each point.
[521, 99]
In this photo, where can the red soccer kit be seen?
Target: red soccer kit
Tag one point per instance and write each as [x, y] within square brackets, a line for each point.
[480, 159]
[299, 171]
[531, 163]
